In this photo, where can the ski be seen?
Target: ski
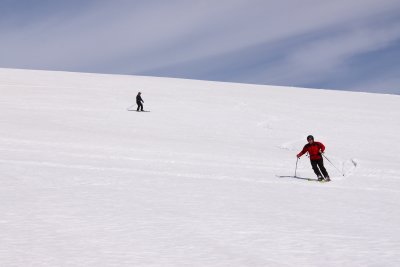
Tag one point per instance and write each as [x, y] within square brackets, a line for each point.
[302, 178]
[138, 110]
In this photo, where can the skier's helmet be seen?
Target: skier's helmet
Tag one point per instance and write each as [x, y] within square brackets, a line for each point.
[310, 137]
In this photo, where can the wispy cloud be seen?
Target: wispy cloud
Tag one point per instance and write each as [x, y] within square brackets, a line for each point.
[319, 57]
[287, 42]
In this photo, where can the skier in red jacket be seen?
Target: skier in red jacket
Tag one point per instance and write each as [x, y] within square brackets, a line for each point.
[315, 149]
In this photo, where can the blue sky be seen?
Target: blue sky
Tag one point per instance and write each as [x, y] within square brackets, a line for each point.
[339, 44]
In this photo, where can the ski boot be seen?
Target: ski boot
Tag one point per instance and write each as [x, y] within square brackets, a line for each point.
[320, 178]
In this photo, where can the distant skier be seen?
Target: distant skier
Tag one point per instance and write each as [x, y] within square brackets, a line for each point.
[315, 150]
[139, 102]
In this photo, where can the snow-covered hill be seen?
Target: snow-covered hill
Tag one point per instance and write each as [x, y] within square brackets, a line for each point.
[193, 182]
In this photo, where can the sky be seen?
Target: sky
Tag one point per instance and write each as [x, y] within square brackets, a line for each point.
[341, 44]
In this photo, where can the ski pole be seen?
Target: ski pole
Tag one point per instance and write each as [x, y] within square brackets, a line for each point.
[332, 164]
[295, 170]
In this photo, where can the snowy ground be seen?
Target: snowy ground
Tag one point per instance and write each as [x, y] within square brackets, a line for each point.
[84, 182]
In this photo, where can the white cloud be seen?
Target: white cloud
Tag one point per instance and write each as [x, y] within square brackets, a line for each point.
[323, 56]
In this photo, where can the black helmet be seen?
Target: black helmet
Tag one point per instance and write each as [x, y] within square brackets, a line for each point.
[310, 137]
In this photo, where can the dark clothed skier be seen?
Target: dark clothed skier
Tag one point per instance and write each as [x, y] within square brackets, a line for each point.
[315, 150]
[139, 102]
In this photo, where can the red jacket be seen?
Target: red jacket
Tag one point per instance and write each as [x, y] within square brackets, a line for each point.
[313, 149]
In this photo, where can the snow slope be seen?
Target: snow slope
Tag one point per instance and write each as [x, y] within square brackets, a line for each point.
[193, 182]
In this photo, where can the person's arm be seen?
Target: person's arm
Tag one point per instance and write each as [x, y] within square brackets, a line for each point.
[302, 152]
[321, 147]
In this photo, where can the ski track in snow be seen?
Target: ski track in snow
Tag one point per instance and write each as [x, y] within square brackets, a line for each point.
[348, 167]
[73, 157]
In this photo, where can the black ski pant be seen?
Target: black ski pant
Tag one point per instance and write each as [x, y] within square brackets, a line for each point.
[318, 167]
[139, 106]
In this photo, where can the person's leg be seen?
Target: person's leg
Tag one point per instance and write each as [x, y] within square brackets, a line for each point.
[322, 168]
[314, 164]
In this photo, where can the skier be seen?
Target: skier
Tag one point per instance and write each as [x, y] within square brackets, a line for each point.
[139, 102]
[315, 150]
